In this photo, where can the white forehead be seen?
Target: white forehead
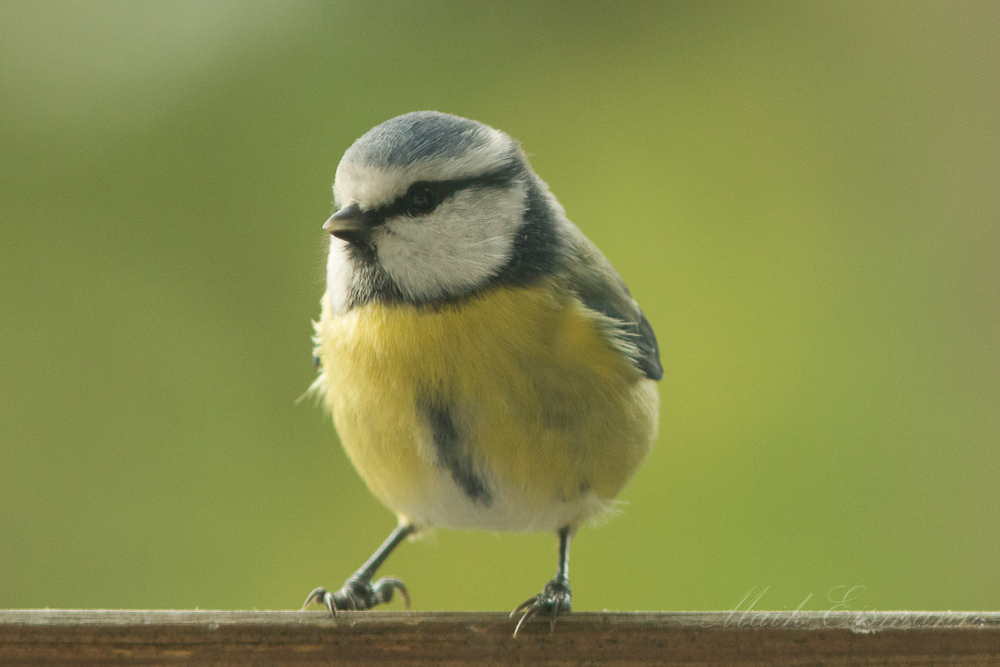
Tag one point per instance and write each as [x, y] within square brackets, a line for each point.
[417, 147]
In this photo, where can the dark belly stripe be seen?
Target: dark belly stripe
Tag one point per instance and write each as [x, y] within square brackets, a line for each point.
[451, 456]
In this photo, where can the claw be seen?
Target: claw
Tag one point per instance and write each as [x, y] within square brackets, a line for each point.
[325, 598]
[556, 605]
[358, 592]
[554, 598]
[358, 595]
[532, 610]
[524, 605]
[385, 587]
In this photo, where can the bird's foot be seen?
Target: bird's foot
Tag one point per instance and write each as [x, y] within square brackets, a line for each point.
[358, 595]
[554, 599]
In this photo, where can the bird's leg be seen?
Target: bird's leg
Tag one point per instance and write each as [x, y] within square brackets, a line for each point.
[358, 592]
[555, 597]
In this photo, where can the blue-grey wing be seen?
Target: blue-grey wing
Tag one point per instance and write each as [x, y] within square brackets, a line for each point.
[635, 330]
[599, 287]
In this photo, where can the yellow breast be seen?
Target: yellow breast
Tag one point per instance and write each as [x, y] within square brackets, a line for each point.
[543, 408]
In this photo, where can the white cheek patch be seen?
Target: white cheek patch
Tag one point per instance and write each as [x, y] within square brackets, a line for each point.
[338, 275]
[454, 249]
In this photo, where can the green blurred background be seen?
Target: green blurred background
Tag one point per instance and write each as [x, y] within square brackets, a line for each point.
[804, 197]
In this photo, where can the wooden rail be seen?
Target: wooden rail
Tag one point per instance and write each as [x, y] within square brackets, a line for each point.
[53, 637]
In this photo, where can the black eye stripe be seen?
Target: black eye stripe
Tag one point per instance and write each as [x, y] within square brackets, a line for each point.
[421, 198]
[503, 177]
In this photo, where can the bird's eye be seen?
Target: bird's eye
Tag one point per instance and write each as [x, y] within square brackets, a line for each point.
[421, 199]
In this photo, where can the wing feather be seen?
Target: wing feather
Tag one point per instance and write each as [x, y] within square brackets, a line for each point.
[600, 288]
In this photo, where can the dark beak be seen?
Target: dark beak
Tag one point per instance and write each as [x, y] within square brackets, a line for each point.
[348, 224]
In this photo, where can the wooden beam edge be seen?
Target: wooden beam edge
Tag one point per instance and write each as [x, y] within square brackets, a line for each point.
[861, 622]
[624, 639]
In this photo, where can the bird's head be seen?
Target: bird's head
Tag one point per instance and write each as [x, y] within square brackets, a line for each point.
[432, 207]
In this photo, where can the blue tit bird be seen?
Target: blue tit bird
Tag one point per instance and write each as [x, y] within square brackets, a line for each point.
[485, 365]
